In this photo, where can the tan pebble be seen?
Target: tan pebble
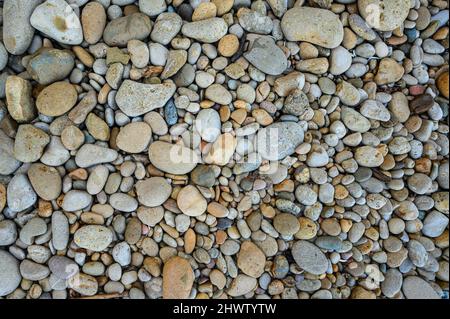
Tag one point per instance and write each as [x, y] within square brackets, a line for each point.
[217, 210]
[239, 115]
[92, 218]
[152, 265]
[350, 39]
[97, 127]
[79, 174]
[361, 293]
[223, 6]
[268, 211]
[346, 224]
[308, 229]
[93, 20]
[443, 84]
[2, 197]
[217, 278]
[262, 117]
[228, 45]
[178, 278]
[57, 99]
[251, 260]
[221, 236]
[191, 202]
[84, 56]
[190, 239]
[441, 34]
[308, 51]
[205, 10]
[45, 208]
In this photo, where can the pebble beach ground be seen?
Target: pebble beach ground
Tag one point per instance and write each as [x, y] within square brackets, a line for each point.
[221, 149]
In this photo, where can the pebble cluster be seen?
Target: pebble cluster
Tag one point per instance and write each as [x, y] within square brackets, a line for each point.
[137, 158]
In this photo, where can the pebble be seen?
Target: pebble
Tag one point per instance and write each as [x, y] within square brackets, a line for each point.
[118, 32]
[391, 17]
[90, 155]
[251, 259]
[20, 193]
[266, 56]
[279, 140]
[45, 180]
[309, 257]
[313, 25]
[17, 30]
[224, 149]
[57, 99]
[153, 192]
[178, 278]
[181, 160]
[93, 237]
[56, 19]
[416, 288]
[191, 202]
[49, 65]
[10, 276]
[135, 98]
[207, 31]
[134, 137]
[19, 100]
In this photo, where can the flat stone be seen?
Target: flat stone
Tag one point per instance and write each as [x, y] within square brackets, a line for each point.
[434, 224]
[49, 65]
[207, 31]
[45, 180]
[55, 154]
[60, 230]
[208, 125]
[90, 155]
[83, 284]
[152, 7]
[191, 202]
[56, 19]
[19, 100]
[242, 285]
[57, 99]
[254, 21]
[123, 202]
[134, 137]
[266, 56]
[389, 71]
[203, 175]
[218, 94]
[416, 288]
[30, 143]
[17, 30]
[76, 200]
[251, 260]
[8, 162]
[166, 27]
[317, 26]
[9, 276]
[33, 271]
[369, 156]
[121, 30]
[93, 20]
[354, 120]
[309, 257]
[20, 193]
[8, 232]
[178, 278]
[222, 150]
[63, 267]
[389, 16]
[175, 61]
[172, 158]
[279, 140]
[296, 103]
[93, 237]
[375, 110]
[135, 98]
[153, 191]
